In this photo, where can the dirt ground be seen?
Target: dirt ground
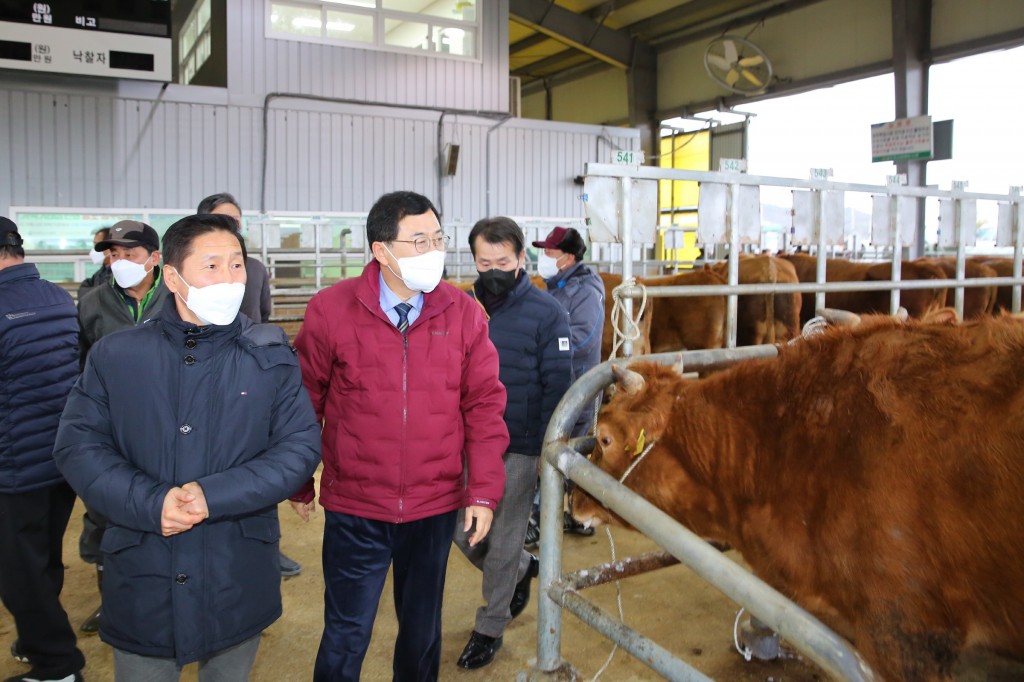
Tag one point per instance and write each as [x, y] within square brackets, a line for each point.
[674, 607]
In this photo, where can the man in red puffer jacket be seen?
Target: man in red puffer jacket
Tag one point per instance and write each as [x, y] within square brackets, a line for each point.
[400, 369]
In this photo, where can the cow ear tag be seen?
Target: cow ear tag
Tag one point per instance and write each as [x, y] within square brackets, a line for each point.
[640, 441]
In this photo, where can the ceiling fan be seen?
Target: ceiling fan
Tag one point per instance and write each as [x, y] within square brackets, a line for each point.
[738, 64]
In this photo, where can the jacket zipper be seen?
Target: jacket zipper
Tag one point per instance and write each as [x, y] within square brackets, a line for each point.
[405, 421]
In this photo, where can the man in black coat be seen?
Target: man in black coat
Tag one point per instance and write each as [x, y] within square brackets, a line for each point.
[38, 366]
[186, 432]
[530, 329]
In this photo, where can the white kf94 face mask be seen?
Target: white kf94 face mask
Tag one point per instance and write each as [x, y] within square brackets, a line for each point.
[422, 272]
[547, 267]
[97, 257]
[216, 304]
[127, 273]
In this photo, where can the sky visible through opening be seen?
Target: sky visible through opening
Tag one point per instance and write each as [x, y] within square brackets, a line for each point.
[831, 128]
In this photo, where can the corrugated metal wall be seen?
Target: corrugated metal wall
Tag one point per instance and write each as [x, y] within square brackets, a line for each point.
[99, 151]
[94, 143]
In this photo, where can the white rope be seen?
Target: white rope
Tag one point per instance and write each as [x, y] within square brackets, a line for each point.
[618, 599]
[745, 651]
[632, 331]
[636, 462]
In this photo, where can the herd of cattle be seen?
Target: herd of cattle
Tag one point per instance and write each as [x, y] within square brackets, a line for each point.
[873, 474]
[698, 322]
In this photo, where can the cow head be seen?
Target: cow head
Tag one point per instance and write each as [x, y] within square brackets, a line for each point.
[637, 438]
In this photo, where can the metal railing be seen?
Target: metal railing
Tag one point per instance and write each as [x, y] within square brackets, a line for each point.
[729, 226]
[561, 460]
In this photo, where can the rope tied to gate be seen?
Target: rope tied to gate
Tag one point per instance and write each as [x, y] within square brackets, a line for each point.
[632, 331]
[618, 599]
[744, 650]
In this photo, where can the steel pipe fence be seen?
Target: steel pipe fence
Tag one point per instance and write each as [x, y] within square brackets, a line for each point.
[561, 460]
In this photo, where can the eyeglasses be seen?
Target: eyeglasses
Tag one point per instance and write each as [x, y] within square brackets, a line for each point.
[423, 244]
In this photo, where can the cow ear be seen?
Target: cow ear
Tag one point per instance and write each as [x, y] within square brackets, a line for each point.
[941, 316]
[839, 318]
[629, 381]
[677, 366]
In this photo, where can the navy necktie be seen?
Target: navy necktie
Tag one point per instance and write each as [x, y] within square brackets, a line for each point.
[403, 316]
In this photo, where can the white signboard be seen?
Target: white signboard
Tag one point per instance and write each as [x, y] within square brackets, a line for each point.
[902, 139]
[968, 222]
[832, 218]
[603, 209]
[885, 225]
[713, 214]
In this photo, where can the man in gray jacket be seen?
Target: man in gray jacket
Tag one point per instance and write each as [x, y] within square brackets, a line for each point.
[580, 291]
[257, 304]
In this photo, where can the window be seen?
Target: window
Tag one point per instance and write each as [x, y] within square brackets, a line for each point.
[441, 27]
[194, 42]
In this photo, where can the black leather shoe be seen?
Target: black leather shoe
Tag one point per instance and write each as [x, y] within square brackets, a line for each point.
[91, 625]
[521, 596]
[532, 535]
[16, 652]
[479, 651]
[32, 676]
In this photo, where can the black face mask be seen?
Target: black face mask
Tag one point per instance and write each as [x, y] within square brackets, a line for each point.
[497, 281]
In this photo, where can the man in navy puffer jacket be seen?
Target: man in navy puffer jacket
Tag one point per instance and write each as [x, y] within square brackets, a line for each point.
[530, 329]
[185, 432]
[38, 367]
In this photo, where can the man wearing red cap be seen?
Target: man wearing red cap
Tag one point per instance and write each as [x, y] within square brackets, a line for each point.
[580, 291]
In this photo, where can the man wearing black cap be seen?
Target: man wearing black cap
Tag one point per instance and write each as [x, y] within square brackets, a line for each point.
[134, 294]
[38, 366]
[137, 287]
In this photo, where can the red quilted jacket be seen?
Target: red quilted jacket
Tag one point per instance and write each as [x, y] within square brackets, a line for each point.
[412, 428]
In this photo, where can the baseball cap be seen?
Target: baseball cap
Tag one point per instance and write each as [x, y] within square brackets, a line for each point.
[9, 233]
[130, 233]
[553, 239]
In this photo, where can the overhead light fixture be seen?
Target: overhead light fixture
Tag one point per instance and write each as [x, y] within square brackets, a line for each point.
[343, 26]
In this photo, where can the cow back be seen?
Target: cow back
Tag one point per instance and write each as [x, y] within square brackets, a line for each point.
[978, 301]
[1003, 267]
[687, 322]
[917, 302]
[764, 318]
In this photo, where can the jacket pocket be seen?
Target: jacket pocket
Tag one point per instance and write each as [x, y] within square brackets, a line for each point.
[260, 528]
[117, 539]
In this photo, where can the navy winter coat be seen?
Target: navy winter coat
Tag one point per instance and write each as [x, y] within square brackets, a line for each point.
[531, 332]
[38, 367]
[166, 403]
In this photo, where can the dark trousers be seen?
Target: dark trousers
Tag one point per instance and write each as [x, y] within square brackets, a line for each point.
[32, 528]
[357, 553]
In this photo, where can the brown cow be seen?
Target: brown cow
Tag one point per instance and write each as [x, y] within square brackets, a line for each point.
[690, 322]
[916, 301]
[873, 475]
[765, 318]
[1003, 267]
[978, 301]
